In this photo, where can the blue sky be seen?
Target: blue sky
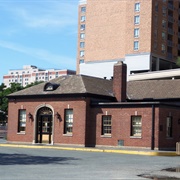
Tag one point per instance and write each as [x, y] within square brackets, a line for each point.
[38, 32]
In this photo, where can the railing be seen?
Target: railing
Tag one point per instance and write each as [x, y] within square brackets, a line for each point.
[170, 19]
[178, 148]
[170, 6]
[170, 31]
[170, 43]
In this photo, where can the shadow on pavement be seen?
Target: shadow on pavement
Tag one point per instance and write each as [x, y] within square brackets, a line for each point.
[24, 159]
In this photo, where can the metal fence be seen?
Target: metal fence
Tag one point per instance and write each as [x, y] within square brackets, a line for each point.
[3, 132]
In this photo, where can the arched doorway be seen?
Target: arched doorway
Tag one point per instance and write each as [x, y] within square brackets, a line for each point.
[44, 126]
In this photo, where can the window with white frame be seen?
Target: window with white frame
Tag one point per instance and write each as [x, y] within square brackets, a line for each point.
[82, 36]
[169, 126]
[137, 7]
[136, 126]
[106, 125]
[82, 44]
[136, 19]
[81, 53]
[22, 120]
[136, 45]
[83, 26]
[136, 32]
[68, 124]
[83, 18]
[83, 9]
[81, 61]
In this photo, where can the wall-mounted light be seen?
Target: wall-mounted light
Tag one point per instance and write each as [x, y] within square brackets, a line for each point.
[58, 116]
[30, 116]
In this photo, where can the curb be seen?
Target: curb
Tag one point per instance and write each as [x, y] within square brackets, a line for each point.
[146, 153]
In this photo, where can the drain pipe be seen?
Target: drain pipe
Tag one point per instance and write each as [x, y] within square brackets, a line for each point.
[153, 124]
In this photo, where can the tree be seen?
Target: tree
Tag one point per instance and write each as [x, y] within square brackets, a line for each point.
[4, 92]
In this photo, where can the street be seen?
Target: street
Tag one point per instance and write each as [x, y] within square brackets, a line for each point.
[42, 164]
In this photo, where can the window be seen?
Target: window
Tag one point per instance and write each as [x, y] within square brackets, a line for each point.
[164, 23]
[155, 33]
[136, 45]
[137, 7]
[81, 53]
[81, 61]
[82, 27]
[106, 125]
[136, 19]
[82, 44]
[164, 10]
[83, 9]
[156, 7]
[163, 49]
[68, 124]
[169, 127]
[155, 45]
[136, 32]
[22, 121]
[83, 18]
[82, 36]
[163, 35]
[136, 126]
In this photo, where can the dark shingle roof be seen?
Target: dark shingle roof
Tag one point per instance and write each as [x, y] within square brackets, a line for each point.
[79, 84]
[156, 89]
[73, 84]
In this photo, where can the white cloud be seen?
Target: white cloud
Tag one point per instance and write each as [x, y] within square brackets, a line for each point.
[43, 14]
[39, 54]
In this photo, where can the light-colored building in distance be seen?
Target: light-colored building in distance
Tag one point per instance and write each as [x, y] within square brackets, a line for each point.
[143, 34]
[30, 74]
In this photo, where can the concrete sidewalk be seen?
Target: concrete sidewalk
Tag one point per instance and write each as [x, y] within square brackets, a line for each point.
[134, 151]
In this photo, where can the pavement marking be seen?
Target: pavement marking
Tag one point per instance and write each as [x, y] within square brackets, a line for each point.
[147, 153]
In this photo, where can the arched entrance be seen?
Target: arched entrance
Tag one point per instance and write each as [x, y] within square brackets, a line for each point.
[44, 125]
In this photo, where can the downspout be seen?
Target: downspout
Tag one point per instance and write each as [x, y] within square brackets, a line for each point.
[153, 128]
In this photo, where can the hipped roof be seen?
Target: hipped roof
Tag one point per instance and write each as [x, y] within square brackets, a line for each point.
[71, 84]
[81, 84]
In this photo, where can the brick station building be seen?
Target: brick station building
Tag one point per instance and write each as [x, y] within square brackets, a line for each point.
[89, 111]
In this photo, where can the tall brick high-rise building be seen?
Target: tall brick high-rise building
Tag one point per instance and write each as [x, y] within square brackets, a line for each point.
[145, 34]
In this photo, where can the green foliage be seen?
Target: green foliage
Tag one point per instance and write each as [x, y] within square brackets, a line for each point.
[6, 91]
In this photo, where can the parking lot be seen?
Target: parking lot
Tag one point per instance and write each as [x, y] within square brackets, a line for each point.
[41, 164]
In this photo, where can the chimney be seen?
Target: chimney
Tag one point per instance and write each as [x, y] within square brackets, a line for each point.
[119, 81]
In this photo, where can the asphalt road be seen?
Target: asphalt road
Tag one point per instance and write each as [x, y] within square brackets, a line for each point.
[51, 164]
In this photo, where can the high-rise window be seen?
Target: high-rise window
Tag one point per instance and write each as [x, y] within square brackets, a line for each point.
[22, 120]
[82, 36]
[164, 23]
[81, 53]
[68, 122]
[136, 126]
[136, 32]
[136, 19]
[82, 27]
[81, 61]
[137, 7]
[136, 45]
[82, 44]
[163, 49]
[106, 125]
[83, 18]
[163, 35]
[83, 9]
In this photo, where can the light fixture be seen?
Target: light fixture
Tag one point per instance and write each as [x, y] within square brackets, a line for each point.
[58, 116]
[30, 116]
